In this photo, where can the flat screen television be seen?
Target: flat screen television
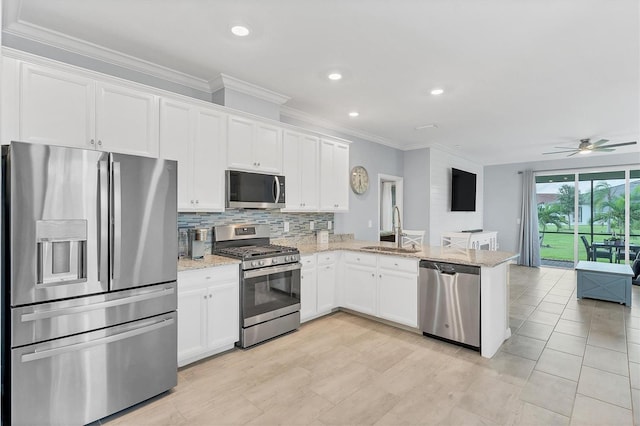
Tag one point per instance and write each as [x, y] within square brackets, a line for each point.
[463, 191]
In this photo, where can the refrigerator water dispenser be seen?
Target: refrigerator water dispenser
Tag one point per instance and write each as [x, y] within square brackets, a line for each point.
[61, 251]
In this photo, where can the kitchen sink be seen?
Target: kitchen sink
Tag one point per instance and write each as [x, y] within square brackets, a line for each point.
[391, 249]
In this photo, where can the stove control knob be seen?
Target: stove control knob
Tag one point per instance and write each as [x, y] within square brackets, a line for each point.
[254, 263]
[262, 263]
[274, 261]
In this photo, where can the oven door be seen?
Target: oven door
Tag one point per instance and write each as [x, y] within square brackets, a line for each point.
[269, 293]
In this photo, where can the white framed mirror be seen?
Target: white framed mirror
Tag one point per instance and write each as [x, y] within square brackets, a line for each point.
[390, 194]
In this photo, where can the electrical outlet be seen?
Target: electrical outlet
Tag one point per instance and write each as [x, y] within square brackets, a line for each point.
[286, 227]
[517, 221]
[370, 223]
[312, 225]
[329, 225]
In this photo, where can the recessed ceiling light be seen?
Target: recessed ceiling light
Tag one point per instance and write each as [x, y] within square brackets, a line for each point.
[354, 114]
[240, 30]
[335, 76]
[437, 91]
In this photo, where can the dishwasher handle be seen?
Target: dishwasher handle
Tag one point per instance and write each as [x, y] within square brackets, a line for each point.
[450, 268]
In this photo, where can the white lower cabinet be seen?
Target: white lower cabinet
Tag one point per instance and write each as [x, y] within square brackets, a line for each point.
[308, 288]
[326, 292]
[317, 285]
[208, 312]
[382, 286]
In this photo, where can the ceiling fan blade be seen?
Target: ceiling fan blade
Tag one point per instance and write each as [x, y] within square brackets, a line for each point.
[565, 147]
[559, 152]
[620, 144]
[600, 142]
[570, 155]
[603, 149]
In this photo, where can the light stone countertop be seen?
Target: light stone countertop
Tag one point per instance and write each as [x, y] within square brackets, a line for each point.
[209, 261]
[471, 257]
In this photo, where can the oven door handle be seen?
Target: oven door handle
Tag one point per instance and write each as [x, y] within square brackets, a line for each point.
[272, 270]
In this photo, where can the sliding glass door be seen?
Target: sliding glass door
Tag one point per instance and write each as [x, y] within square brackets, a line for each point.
[589, 216]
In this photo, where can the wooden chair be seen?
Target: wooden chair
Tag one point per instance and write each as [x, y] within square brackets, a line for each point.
[459, 240]
[412, 239]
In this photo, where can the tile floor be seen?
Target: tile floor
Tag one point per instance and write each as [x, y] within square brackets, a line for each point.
[568, 362]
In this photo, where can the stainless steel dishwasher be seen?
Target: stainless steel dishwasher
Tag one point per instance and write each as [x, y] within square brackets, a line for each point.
[449, 302]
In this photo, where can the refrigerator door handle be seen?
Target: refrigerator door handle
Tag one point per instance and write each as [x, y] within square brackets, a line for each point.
[103, 220]
[116, 236]
[38, 315]
[36, 355]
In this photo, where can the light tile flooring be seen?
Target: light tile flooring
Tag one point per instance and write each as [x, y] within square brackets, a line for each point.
[568, 362]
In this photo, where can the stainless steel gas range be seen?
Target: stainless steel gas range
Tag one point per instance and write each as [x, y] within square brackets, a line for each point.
[270, 281]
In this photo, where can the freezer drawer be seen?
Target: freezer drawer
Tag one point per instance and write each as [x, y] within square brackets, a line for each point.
[82, 378]
[37, 323]
[449, 302]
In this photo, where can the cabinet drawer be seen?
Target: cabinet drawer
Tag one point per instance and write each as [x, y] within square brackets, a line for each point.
[400, 264]
[207, 275]
[308, 261]
[326, 258]
[360, 258]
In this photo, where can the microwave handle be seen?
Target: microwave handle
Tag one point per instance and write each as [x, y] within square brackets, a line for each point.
[276, 184]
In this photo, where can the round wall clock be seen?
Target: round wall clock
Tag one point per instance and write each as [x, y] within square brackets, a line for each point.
[359, 180]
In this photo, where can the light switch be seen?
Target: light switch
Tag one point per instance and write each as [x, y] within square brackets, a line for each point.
[370, 223]
[312, 225]
[286, 227]
[518, 221]
[329, 225]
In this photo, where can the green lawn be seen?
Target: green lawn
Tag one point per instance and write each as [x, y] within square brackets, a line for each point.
[560, 246]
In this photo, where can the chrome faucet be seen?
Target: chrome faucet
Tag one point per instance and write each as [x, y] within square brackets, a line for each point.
[398, 227]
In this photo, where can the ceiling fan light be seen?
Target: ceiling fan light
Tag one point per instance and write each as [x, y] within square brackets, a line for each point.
[585, 151]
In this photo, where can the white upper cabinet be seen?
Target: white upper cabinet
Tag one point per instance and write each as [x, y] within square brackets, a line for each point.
[55, 108]
[126, 120]
[254, 146]
[334, 176]
[194, 136]
[63, 108]
[301, 171]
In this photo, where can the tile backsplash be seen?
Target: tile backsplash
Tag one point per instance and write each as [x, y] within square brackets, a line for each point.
[299, 223]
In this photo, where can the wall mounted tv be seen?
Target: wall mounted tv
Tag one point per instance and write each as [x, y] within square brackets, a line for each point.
[463, 191]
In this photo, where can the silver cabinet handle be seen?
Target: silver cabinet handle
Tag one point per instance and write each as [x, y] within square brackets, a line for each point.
[33, 356]
[99, 142]
[38, 315]
[197, 201]
[92, 142]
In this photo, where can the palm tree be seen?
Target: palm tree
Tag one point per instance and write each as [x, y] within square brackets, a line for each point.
[550, 214]
[603, 198]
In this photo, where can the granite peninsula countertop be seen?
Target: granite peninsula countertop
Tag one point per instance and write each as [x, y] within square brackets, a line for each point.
[471, 257]
[209, 261]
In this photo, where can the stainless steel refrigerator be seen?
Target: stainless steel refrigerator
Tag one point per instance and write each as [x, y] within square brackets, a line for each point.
[89, 275]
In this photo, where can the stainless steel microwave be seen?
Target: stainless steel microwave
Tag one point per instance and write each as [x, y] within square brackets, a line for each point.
[254, 190]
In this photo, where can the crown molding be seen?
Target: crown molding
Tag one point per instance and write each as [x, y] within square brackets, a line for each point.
[14, 26]
[310, 119]
[224, 81]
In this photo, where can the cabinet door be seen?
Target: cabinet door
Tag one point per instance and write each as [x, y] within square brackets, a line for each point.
[326, 288]
[239, 141]
[308, 172]
[56, 108]
[292, 169]
[308, 296]
[223, 314]
[267, 148]
[398, 297]
[126, 120]
[208, 161]
[176, 143]
[341, 176]
[360, 289]
[192, 317]
[327, 180]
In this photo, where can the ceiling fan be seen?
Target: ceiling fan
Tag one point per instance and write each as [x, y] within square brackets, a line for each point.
[586, 147]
